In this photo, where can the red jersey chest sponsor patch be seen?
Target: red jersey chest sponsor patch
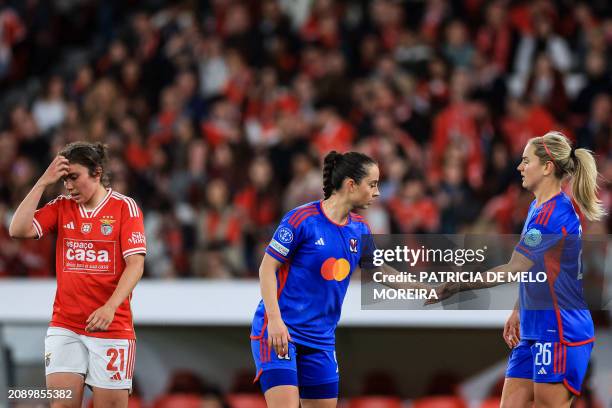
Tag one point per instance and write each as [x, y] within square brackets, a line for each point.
[88, 256]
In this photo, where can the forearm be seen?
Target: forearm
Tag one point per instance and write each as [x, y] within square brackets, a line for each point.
[268, 285]
[21, 224]
[130, 277]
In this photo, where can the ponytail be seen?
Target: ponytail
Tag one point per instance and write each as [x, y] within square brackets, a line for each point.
[328, 168]
[584, 185]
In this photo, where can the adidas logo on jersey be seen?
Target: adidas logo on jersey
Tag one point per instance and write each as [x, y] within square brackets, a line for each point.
[320, 241]
[542, 371]
[70, 225]
[116, 377]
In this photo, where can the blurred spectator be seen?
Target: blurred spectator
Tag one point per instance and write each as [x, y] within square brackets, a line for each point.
[50, 110]
[217, 115]
[306, 183]
[546, 87]
[218, 233]
[457, 48]
[412, 210]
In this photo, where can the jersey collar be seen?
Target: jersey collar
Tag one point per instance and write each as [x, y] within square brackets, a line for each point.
[85, 213]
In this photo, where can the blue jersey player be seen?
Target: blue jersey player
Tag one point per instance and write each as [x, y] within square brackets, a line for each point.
[550, 332]
[304, 276]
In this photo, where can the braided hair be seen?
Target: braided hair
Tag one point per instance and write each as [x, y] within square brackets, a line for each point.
[339, 166]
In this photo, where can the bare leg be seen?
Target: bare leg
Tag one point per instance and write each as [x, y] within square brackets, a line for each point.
[517, 393]
[72, 382]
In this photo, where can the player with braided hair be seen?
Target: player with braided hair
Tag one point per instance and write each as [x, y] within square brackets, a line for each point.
[304, 277]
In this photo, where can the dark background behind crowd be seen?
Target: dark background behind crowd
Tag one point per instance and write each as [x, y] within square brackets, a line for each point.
[218, 113]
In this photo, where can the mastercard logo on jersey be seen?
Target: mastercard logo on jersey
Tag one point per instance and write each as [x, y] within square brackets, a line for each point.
[335, 269]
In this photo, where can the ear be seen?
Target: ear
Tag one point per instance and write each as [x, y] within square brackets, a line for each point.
[549, 168]
[98, 172]
[350, 184]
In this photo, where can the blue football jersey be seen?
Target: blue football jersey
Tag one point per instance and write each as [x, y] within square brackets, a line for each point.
[318, 258]
[554, 310]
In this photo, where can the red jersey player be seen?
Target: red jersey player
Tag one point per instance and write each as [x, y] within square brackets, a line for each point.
[99, 259]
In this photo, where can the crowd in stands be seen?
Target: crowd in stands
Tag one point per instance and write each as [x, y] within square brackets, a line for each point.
[218, 113]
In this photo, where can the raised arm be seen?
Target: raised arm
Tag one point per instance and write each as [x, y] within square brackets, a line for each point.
[21, 224]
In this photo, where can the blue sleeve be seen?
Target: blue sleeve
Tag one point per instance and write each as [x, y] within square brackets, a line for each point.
[536, 241]
[285, 240]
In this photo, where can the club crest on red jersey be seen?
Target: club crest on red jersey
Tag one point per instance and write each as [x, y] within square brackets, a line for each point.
[107, 225]
[353, 245]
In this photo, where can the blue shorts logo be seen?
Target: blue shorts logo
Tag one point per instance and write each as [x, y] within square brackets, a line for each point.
[285, 235]
[533, 237]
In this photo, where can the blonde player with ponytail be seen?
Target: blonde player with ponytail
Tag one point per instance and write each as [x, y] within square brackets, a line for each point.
[551, 331]
[551, 347]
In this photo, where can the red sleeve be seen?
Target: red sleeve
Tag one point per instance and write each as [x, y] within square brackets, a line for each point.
[45, 218]
[133, 239]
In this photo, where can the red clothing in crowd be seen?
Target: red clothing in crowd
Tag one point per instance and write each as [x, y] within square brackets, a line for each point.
[517, 131]
[335, 135]
[421, 215]
[455, 125]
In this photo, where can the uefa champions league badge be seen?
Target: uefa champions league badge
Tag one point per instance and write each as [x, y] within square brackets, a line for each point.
[285, 235]
[533, 237]
[107, 226]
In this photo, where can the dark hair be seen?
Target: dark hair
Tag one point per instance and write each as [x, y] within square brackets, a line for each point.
[91, 155]
[338, 166]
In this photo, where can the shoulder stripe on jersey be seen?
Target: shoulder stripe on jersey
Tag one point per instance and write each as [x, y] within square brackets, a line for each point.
[294, 221]
[130, 202]
[297, 214]
[541, 214]
[59, 197]
[37, 227]
[550, 211]
[304, 216]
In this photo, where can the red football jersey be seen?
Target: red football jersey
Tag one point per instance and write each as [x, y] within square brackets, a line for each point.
[90, 258]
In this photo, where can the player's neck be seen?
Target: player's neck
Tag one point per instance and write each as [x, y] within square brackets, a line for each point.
[546, 191]
[335, 209]
[96, 198]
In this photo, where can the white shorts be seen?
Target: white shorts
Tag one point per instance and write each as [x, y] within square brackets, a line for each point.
[105, 363]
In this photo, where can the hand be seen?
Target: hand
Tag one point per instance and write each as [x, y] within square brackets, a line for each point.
[512, 331]
[56, 170]
[100, 319]
[278, 337]
[444, 291]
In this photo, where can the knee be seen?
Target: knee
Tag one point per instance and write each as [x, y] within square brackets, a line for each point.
[516, 403]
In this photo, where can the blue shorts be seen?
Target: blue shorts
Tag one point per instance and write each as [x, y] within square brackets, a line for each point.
[313, 371]
[550, 362]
